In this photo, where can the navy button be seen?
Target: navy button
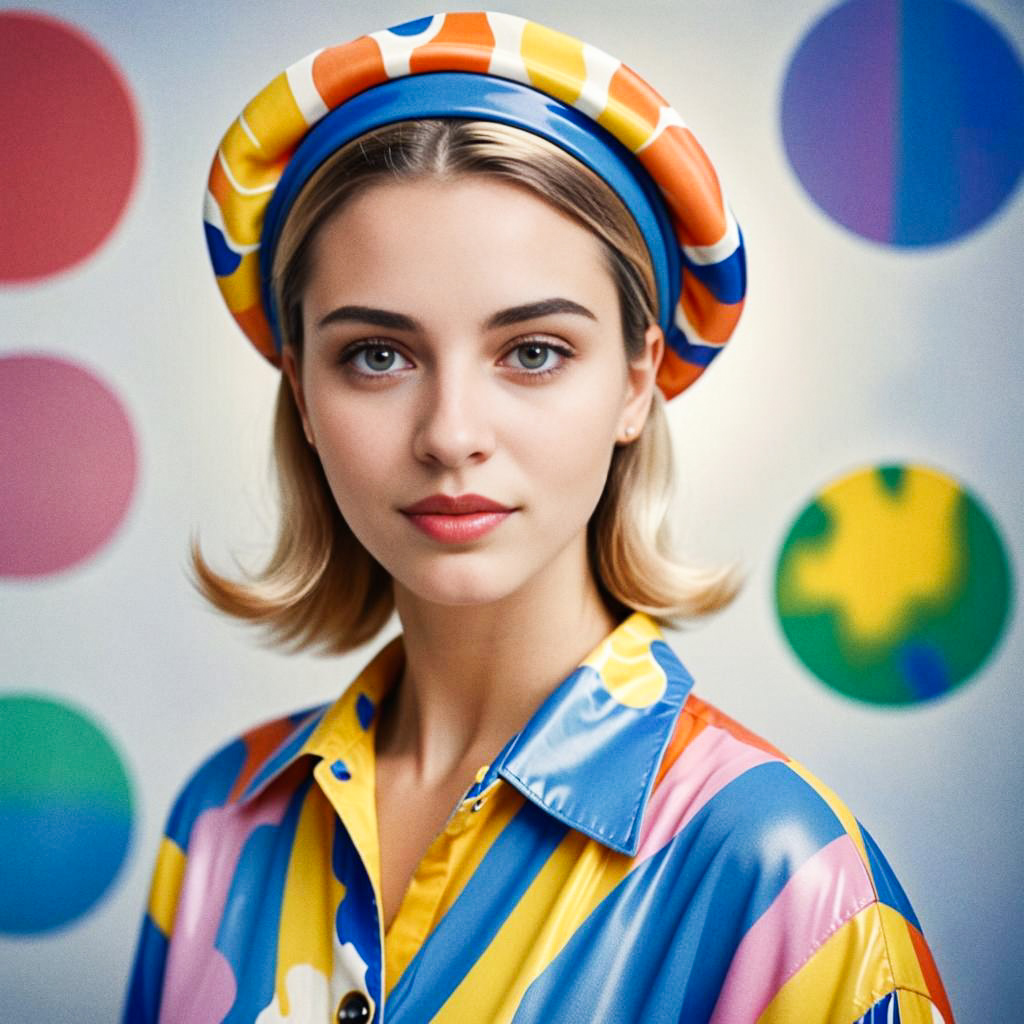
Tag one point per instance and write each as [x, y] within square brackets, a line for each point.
[354, 1007]
[340, 771]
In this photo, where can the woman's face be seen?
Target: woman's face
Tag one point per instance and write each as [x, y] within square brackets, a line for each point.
[464, 338]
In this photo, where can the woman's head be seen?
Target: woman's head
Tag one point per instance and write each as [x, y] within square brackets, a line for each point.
[447, 149]
[510, 219]
[498, 364]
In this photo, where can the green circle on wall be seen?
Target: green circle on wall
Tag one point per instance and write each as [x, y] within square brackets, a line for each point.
[893, 585]
[66, 813]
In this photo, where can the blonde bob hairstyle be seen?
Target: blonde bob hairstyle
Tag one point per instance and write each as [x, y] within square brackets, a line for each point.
[321, 588]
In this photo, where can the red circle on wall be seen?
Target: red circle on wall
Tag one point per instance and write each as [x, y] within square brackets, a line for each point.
[70, 148]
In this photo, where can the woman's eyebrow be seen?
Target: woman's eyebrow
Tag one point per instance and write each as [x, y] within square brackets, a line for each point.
[503, 318]
[533, 310]
[368, 315]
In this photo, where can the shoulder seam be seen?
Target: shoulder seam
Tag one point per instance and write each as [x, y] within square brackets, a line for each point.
[874, 997]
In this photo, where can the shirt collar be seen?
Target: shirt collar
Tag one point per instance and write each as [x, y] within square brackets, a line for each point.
[588, 756]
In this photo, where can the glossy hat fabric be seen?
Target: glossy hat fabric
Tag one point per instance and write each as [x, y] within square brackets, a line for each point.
[490, 66]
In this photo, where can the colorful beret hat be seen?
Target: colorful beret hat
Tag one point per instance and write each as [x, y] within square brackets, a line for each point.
[494, 67]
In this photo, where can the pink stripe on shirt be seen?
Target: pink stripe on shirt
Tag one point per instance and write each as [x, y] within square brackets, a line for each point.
[703, 769]
[200, 986]
[823, 895]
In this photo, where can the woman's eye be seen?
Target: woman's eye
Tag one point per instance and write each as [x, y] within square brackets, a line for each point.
[534, 357]
[374, 360]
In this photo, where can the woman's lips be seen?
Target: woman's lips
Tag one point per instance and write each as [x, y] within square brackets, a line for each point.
[456, 505]
[457, 518]
[457, 528]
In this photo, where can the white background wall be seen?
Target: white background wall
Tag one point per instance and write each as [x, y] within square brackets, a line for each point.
[849, 353]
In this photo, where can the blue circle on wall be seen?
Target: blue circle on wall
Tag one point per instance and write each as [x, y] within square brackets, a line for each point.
[904, 119]
[65, 814]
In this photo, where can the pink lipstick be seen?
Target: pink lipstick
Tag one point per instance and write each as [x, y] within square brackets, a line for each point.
[461, 518]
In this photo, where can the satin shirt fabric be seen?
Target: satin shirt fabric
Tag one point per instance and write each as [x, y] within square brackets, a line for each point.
[632, 854]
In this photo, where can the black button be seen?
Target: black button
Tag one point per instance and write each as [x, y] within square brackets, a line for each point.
[354, 1007]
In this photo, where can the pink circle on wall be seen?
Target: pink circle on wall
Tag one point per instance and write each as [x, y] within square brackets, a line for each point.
[71, 145]
[67, 462]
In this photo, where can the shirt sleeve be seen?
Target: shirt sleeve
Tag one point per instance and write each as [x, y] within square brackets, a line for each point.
[209, 787]
[868, 962]
[146, 980]
[904, 1006]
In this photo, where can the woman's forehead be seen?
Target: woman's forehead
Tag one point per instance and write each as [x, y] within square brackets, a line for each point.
[473, 239]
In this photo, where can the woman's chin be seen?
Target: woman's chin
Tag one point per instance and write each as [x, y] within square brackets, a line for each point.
[459, 586]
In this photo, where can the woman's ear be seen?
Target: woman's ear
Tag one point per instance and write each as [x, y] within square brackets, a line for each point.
[290, 368]
[642, 376]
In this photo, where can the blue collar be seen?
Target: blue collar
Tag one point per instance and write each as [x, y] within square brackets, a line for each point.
[589, 755]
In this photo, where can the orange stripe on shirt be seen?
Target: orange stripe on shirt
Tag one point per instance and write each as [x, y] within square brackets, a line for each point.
[259, 745]
[687, 729]
[712, 716]
[936, 990]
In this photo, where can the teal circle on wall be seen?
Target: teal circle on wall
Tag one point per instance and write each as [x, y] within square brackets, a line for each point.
[66, 813]
[892, 585]
[904, 119]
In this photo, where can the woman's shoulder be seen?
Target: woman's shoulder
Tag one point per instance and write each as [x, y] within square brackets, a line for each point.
[722, 778]
[233, 768]
[713, 761]
[813, 904]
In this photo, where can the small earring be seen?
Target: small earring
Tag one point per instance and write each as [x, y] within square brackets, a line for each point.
[630, 431]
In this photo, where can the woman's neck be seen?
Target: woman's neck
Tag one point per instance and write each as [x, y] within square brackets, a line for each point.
[475, 674]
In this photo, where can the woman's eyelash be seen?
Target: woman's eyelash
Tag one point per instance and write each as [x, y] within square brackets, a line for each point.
[353, 351]
[350, 354]
[565, 353]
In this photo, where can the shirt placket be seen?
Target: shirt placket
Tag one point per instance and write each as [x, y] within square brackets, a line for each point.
[346, 778]
[426, 894]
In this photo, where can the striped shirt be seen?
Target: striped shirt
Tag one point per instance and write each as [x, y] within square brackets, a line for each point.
[632, 854]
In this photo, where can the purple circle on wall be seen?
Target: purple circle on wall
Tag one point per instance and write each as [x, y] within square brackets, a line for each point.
[67, 461]
[904, 119]
[71, 147]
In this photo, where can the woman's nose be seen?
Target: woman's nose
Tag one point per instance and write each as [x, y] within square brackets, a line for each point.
[454, 425]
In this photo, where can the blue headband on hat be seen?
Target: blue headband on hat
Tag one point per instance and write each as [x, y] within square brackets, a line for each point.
[457, 94]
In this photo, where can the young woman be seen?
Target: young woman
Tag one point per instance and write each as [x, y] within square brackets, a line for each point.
[483, 254]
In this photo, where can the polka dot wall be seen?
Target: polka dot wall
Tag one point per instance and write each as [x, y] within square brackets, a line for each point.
[866, 470]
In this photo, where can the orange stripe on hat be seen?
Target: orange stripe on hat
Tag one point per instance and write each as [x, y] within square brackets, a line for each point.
[676, 374]
[255, 325]
[220, 187]
[633, 107]
[342, 71]
[689, 184]
[714, 320]
[465, 43]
